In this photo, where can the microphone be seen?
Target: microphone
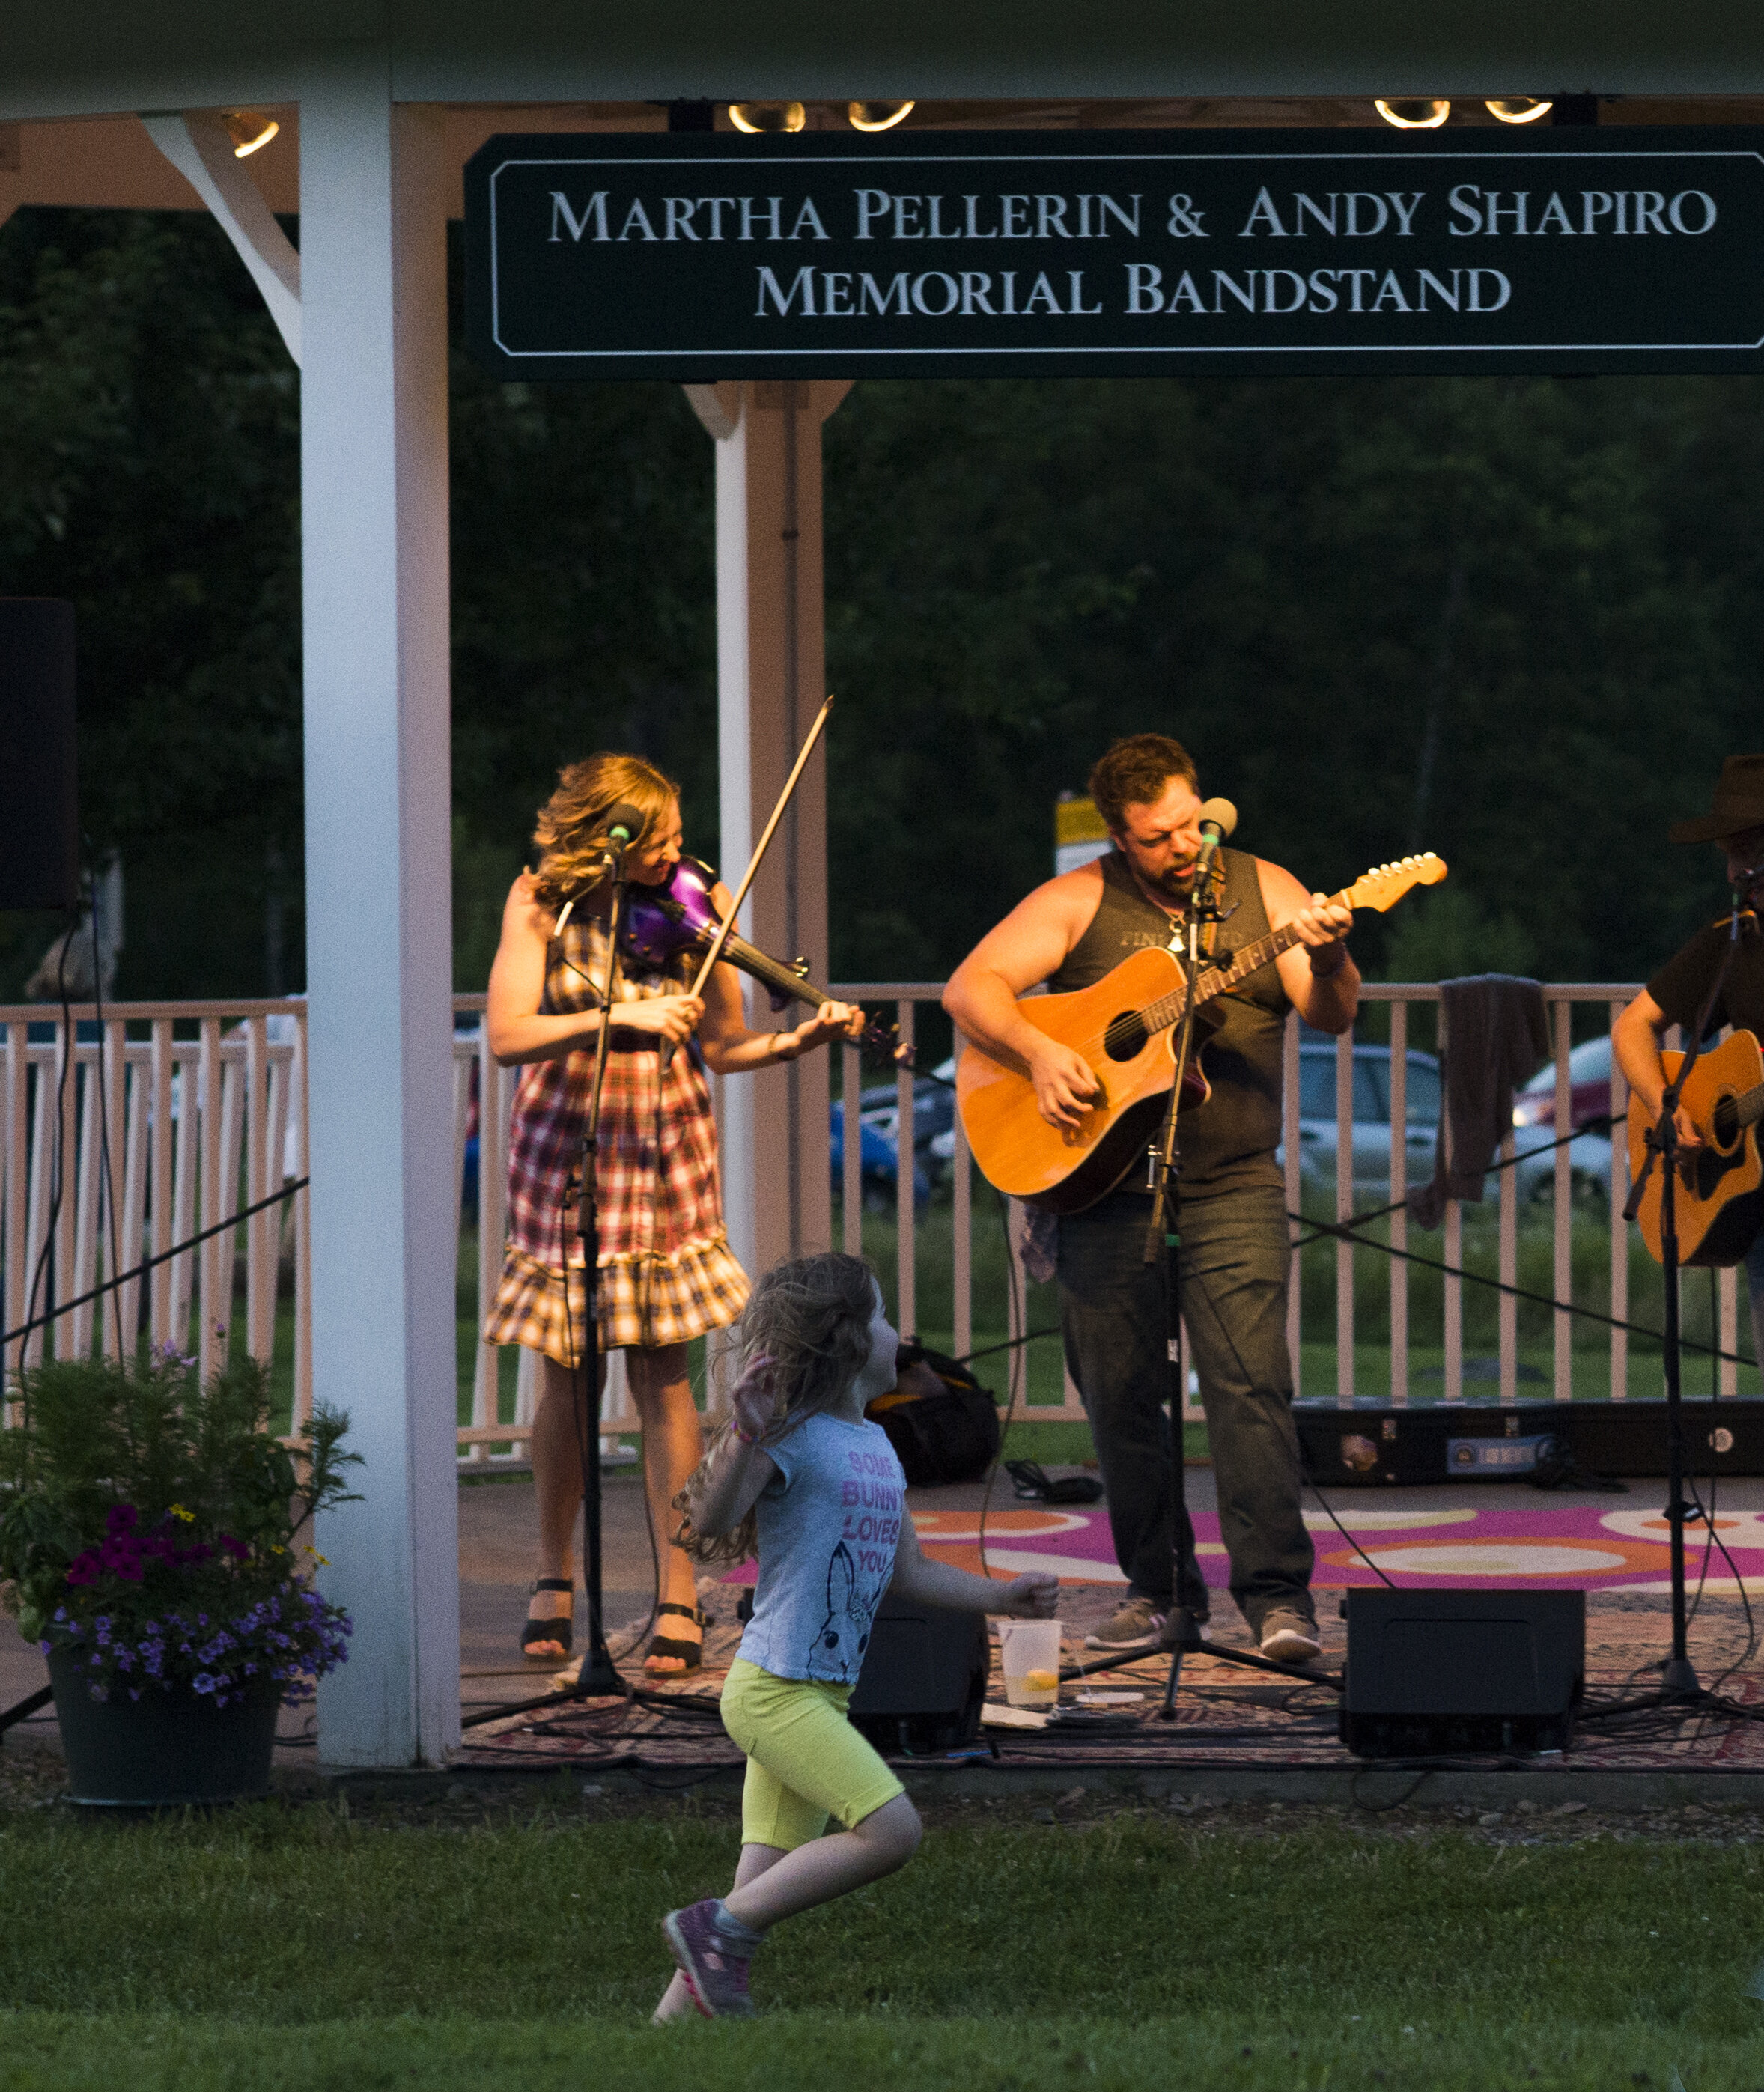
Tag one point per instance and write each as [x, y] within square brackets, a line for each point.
[1218, 819]
[624, 824]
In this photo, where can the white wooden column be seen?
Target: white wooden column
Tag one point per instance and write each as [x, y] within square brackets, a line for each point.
[771, 680]
[374, 528]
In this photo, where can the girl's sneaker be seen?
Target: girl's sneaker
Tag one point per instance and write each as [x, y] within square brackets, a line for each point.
[709, 1946]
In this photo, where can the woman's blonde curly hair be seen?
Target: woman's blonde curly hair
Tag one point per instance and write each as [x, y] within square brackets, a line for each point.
[810, 1316]
[570, 831]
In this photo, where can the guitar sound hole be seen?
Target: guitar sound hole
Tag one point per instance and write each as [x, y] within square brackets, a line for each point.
[1125, 1037]
[1724, 1122]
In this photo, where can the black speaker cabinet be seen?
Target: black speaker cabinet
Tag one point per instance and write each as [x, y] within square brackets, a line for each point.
[924, 1680]
[39, 805]
[1437, 1673]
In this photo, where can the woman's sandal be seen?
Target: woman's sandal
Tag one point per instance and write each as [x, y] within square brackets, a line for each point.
[560, 1629]
[690, 1654]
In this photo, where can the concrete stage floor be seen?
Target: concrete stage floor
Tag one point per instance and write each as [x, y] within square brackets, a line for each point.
[1232, 1724]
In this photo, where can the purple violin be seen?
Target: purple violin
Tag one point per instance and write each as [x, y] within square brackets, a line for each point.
[662, 921]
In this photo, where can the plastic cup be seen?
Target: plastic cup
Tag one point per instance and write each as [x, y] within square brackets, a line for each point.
[1030, 1652]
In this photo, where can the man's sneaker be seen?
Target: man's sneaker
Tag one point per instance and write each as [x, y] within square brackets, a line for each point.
[1289, 1638]
[1138, 1625]
[704, 1937]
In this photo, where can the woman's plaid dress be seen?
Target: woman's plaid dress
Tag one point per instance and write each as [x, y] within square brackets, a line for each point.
[666, 1272]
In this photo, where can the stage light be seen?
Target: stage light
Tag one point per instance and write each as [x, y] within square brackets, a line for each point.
[1519, 109]
[1414, 113]
[876, 115]
[249, 129]
[767, 115]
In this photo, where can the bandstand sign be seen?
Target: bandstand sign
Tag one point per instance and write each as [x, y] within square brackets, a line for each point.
[1073, 254]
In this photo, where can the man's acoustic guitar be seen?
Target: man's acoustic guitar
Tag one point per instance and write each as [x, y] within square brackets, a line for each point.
[1124, 1028]
[1720, 1201]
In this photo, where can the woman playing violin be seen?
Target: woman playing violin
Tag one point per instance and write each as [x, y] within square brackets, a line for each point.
[666, 1272]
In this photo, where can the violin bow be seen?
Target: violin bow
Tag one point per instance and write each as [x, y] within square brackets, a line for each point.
[728, 923]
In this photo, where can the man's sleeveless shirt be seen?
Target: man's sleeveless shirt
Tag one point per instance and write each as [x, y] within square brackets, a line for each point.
[1229, 1141]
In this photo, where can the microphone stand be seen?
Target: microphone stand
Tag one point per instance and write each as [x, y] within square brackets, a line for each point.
[1182, 1636]
[1679, 1683]
[597, 1677]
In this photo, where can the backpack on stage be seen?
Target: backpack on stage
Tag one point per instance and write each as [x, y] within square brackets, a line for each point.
[942, 1424]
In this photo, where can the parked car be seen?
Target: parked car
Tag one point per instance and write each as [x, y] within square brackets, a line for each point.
[1589, 1156]
[878, 1163]
[1589, 1163]
[1534, 1122]
[1317, 1131]
[1588, 1089]
[879, 1105]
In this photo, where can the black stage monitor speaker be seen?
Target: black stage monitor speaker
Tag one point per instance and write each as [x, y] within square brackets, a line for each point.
[924, 1680]
[1432, 1673]
[39, 806]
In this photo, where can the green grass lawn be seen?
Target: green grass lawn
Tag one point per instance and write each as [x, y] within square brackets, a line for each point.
[456, 1944]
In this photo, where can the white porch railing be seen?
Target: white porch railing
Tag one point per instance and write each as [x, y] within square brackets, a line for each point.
[1560, 1000]
[129, 1145]
[1446, 1247]
[184, 1114]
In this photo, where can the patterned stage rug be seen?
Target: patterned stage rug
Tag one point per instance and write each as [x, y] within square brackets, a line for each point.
[1543, 1544]
[1227, 1717]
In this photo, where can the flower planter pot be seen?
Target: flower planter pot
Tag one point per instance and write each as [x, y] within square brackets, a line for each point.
[166, 1749]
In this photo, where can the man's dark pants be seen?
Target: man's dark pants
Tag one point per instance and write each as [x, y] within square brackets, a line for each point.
[1235, 1257]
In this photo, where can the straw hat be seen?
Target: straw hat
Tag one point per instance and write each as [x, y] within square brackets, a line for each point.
[1739, 804]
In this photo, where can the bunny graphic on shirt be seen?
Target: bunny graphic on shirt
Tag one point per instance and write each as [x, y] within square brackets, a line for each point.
[843, 1635]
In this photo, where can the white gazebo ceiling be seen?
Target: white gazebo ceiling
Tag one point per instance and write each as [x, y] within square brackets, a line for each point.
[101, 56]
[110, 162]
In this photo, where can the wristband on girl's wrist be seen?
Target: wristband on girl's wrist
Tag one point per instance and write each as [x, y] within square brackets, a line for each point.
[747, 1438]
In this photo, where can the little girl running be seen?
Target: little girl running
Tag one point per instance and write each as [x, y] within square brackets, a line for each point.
[799, 1478]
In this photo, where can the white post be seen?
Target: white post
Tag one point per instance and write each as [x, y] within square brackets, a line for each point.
[770, 673]
[374, 496]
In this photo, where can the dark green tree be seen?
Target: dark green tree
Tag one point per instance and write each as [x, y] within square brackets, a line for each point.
[1510, 619]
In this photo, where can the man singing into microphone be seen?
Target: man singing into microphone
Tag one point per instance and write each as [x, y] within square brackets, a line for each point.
[1235, 1251]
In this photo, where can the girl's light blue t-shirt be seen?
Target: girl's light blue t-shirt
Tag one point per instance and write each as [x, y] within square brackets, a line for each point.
[829, 1522]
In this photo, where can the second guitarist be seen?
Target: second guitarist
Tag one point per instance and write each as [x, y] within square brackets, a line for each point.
[1677, 993]
[1068, 934]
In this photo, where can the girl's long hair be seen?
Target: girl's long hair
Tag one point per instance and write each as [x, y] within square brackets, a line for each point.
[810, 1316]
[569, 831]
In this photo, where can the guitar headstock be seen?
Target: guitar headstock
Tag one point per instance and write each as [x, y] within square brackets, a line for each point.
[1386, 884]
[884, 1040]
